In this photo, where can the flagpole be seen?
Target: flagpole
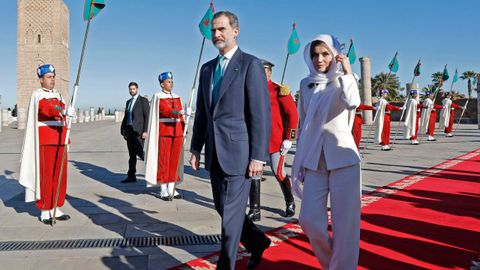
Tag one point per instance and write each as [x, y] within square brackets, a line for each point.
[192, 92]
[69, 119]
[285, 68]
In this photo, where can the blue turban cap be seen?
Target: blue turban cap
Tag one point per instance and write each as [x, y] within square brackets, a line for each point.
[42, 70]
[165, 75]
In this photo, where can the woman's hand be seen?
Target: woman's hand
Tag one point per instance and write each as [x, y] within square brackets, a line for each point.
[347, 69]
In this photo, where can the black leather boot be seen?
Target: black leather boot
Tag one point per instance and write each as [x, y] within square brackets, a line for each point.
[286, 187]
[254, 212]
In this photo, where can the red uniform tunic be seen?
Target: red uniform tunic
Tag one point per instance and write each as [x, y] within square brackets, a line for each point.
[386, 123]
[284, 116]
[170, 138]
[433, 119]
[52, 131]
[452, 116]
[358, 122]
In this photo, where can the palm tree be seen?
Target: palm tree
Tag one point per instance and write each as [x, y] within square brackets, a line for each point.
[390, 82]
[437, 78]
[469, 75]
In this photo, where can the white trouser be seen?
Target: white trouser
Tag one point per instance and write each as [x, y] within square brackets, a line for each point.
[344, 185]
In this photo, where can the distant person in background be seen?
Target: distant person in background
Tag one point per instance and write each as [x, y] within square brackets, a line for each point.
[412, 117]
[134, 129]
[164, 157]
[429, 116]
[358, 122]
[43, 148]
[383, 120]
[448, 114]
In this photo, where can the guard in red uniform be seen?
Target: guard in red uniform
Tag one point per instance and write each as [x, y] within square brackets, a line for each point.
[448, 114]
[284, 117]
[382, 121]
[164, 163]
[412, 117]
[429, 116]
[358, 122]
[43, 148]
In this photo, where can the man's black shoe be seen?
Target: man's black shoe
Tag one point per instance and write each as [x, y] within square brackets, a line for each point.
[256, 257]
[129, 180]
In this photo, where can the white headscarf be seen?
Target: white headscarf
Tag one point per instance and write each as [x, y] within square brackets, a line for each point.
[311, 135]
[335, 69]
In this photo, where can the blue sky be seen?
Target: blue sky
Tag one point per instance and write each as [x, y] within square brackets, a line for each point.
[136, 40]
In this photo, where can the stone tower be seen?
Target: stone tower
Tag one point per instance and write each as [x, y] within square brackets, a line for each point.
[42, 38]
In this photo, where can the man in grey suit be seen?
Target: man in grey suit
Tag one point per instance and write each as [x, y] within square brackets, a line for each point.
[232, 121]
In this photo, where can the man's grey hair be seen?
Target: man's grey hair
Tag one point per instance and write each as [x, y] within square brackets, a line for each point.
[232, 18]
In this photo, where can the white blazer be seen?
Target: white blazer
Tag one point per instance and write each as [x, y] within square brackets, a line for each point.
[338, 146]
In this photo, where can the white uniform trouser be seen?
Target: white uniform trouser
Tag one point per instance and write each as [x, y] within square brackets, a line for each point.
[344, 185]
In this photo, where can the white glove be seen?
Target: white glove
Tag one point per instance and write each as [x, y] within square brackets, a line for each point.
[182, 112]
[463, 108]
[188, 111]
[70, 111]
[403, 108]
[286, 145]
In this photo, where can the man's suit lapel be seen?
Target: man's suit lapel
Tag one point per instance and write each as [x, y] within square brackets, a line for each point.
[230, 73]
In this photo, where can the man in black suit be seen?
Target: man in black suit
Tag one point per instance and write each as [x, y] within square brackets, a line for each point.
[232, 121]
[134, 128]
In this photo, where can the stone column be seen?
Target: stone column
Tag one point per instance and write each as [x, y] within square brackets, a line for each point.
[81, 116]
[87, 116]
[366, 88]
[21, 118]
[92, 114]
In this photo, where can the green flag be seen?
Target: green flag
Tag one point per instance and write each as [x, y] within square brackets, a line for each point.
[97, 5]
[416, 72]
[474, 82]
[455, 77]
[393, 66]
[293, 41]
[352, 56]
[205, 24]
[445, 75]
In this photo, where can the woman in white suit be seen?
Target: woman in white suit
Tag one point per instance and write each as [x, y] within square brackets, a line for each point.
[327, 160]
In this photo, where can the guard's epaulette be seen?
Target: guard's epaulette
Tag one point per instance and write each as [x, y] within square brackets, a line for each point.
[283, 90]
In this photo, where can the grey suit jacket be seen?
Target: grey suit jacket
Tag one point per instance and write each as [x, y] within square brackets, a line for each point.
[238, 128]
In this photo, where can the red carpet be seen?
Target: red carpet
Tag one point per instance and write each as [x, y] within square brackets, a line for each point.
[429, 220]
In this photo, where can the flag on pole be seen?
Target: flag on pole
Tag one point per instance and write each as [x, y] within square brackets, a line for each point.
[205, 24]
[352, 56]
[445, 75]
[393, 66]
[97, 5]
[455, 77]
[293, 41]
[416, 71]
[474, 82]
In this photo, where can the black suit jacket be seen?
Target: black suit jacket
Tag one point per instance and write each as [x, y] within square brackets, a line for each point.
[238, 128]
[140, 114]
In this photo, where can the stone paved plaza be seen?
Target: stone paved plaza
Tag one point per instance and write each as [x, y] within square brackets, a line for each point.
[102, 207]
